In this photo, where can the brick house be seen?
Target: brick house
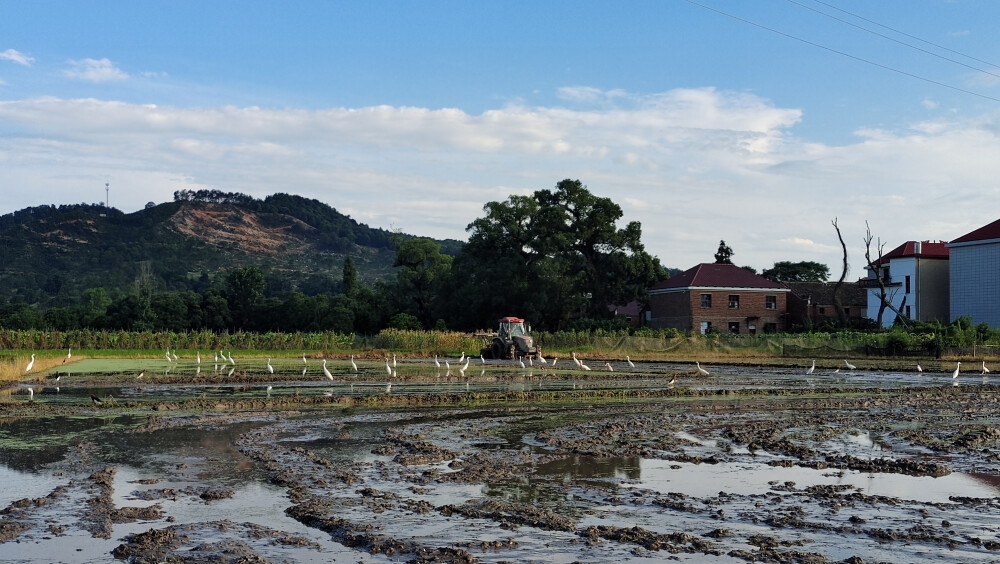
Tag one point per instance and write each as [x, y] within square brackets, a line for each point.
[721, 297]
[811, 303]
[916, 280]
[974, 272]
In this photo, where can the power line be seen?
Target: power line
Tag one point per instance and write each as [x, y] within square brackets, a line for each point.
[894, 30]
[844, 54]
[893, 39]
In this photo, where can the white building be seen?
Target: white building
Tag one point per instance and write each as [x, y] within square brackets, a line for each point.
[916, 282]
[975, 275]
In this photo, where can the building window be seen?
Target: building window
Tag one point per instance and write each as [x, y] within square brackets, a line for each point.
[706, 300]
[734, 301]
[907, 284]
[706, 326]
[734, 327]
[770, 327]
[771, 302]
[822, 310]
[847, 311]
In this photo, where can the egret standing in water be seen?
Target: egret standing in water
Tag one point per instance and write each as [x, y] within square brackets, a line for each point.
[270, 368]
[985, 370]
[701, 370]
[30, 364]
[957, 368]
[849, 365]
[354, 364]
[326, 371]
[811, 368]
[629, 361]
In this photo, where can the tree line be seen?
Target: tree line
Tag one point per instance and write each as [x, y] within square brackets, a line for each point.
[556, 257]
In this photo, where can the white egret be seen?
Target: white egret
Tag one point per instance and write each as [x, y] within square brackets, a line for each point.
[629, 361]
[849, 365]
[231, 361]
[554, 359]
[168, 355]
[447, 365]
[69, 353]
[482, 359]
[304, 361]
[269, 390]
[521, 360]
[326, 371]
[270, 368]
[985, 370]
[304, 370]
[461, 358]
[175, 354]
[811, 368]
[217, 358]
[393, 360]
[576, 360]
[31, 364]
[436, 362]
[354, 364]
[701, 370]
[466, 363]
[198, 357]
[388, 369]
[584, 366]
[958, 367]
[920, 368]
[531, 362]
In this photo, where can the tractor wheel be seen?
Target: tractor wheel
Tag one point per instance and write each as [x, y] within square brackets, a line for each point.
[497, 349]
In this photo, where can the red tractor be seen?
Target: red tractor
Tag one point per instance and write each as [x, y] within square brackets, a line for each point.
[512, 340]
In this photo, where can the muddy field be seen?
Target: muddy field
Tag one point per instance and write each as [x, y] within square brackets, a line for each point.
[495, 463]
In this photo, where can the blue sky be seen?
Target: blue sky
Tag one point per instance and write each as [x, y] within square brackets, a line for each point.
[702, 124]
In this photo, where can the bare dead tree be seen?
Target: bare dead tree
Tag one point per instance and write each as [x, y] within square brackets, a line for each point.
[838, 303]
[885, 299]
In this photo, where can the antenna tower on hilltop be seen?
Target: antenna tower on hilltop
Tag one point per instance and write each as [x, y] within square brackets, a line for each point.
[107, 194]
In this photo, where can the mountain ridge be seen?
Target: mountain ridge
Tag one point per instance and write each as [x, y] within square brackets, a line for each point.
[50, 254]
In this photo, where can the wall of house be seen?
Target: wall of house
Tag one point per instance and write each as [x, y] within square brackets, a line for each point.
[974, 270]
[933, 294]
[670, 311]
[899, 269]
[683, 311]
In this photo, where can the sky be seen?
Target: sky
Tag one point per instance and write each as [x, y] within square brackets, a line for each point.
[753, 122]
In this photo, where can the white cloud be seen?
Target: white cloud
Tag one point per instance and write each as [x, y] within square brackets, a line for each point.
[16, 56]
[95, 70]
[692, 165]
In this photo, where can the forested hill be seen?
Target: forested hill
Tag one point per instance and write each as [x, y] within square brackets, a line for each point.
[50, 254]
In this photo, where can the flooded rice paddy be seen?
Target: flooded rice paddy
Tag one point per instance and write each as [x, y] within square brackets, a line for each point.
[497, 463]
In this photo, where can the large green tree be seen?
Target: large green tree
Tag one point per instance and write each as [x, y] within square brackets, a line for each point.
[551, 257]
[804, 271]
[419, 279]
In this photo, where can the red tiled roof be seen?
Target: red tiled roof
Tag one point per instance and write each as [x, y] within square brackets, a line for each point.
[713, 275]
[991, 231]
[631, 309]
[928, 249]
